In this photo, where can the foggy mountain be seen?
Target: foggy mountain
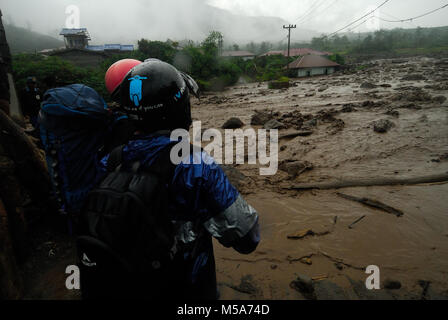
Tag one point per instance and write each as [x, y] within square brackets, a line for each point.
[24, 40]
[114, 21]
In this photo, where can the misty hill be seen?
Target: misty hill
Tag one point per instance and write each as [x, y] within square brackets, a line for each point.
[244, 29]
[189, 19]
[24, 40]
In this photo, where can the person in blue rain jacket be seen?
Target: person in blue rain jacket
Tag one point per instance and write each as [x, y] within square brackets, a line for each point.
[198, 192]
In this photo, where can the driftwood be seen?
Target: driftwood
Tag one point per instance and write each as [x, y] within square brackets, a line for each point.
[373, 204]
[355, 222]
[443, 177]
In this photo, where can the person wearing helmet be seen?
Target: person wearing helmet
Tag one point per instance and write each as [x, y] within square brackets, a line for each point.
[116, 73]
[202, 201]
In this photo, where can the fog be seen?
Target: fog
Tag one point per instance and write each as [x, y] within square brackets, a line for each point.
[239, 20]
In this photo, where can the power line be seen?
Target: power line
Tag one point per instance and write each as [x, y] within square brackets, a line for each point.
[324, 10]
[420, 16]
[352, 23]
[358, 25]
[310, 10]
[394, 17]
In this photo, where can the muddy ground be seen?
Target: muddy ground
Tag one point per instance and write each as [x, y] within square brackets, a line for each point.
[330, 133]
[338, 114]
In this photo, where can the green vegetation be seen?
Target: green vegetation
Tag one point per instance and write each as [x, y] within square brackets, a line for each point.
[213, 72]
[56, 69]
[282, 82]
[420, 40]
[202, 61]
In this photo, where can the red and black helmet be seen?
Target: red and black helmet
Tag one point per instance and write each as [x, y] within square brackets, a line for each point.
[116, 73]
[157, 95]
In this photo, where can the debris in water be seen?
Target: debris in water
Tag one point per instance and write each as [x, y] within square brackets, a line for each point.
[373, 204]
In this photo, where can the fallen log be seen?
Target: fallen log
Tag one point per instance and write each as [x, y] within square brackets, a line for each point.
[443, 177]
[373, 204]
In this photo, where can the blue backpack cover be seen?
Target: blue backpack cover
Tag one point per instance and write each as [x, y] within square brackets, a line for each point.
[74, 123]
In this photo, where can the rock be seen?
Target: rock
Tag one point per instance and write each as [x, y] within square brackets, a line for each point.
[260, 118]
[359, 288]
[246, 285]
[413, 77]
[399, 61]
[348, 108]
[382, 126]
[339, 266]
[327, 290]
[323, 88]
[233, 123]
[439, 99]
[310, 123]
[368, 85]
[392, 284]
[310, 94]
[304, 285]
[295, 168]
[273, 124]
[337, 126]
[393, 113]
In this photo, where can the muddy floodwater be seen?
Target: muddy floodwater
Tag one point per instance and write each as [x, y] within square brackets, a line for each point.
[388, 121]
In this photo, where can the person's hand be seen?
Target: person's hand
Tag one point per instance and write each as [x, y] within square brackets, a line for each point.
[4, 105]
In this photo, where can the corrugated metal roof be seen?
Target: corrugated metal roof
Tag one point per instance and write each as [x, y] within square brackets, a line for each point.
[296, 52]
[118, 47]
[79, 31]
[112, 47]
[312, 61]
[95, 48]
[127, 47]
[237, 54]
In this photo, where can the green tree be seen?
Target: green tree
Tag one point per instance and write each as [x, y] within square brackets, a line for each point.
[164, 51]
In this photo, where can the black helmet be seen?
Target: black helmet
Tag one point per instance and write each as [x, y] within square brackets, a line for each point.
[158, 96]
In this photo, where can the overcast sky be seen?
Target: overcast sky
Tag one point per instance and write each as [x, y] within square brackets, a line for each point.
[117, 20]
[328, 15]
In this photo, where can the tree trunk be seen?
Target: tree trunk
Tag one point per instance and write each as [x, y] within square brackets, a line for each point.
[31, 168]
[11, 287]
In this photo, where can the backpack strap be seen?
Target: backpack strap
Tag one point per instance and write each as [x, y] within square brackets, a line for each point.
[115, 159]
[163, 166]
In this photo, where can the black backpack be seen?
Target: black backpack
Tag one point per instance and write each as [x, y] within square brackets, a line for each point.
[126, 244]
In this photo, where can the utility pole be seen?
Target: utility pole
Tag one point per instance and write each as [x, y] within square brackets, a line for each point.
[289, 39]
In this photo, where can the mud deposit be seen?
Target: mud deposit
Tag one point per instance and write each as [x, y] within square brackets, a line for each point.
[388, 121]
